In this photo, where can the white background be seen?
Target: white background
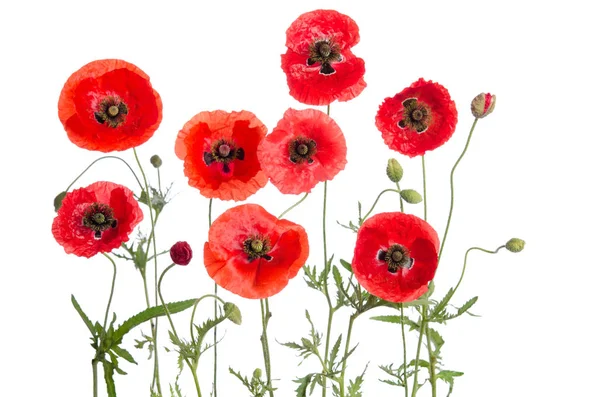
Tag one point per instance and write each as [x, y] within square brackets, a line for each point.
[531, 172]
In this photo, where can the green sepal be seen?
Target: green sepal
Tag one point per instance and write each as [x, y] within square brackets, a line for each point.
[346, 265]
[58, 200]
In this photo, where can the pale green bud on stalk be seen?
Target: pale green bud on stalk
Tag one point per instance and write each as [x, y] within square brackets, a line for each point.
[257, 373]
[515, 245]
[394, 170]
[233, 313]
[411, 196]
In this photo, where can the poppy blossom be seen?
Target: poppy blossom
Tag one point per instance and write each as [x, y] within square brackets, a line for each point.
[396, 255]
[319, 64]
[252, 253]
[218, 150]
[109, 105]
[421, 117]
[306, 147]
[97, 218]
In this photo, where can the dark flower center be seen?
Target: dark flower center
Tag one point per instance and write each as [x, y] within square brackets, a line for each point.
[396, 256]
[416, 115]
[99, 217]
[257, 247]
[302, 149]
[324, 52]
[111, 111]
[223, 152]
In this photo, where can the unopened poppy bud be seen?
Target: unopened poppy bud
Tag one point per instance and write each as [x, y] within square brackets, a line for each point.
[257, 373]
[515, 245]
[156, 161]
[233, 313]
[58, 200]
[181, 253]
[394, 170]
[483, 104]
[411, 196]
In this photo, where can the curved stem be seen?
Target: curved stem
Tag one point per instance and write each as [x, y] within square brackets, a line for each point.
[102, 158]
[162, 301]
[112, 290]
[153, 238]
[452, 188]
[376, 201]
[293, 206]
[194, 310]
[424, 188]
[462, 274]
[265, 315]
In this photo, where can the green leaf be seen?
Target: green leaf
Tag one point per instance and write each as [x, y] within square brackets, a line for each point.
[398, 320]
[123, 353]
[468, 304]
[346, 265]
[155, 311]
[85, 318]
[334, 352]
[437, 309]
[337, 277]
[108, 378]
[304, 383]
[448, 377]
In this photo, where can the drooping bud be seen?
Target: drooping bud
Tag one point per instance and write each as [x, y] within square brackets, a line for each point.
[233, 313]
[156, 161]
[257, 373]
[411, 196]
[394, 170]
[181, 253]
[515, 245]
[483, 104]
[58, 200]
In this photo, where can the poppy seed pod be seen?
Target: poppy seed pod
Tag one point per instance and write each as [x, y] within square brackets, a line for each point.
[483, 104]
[156, 161]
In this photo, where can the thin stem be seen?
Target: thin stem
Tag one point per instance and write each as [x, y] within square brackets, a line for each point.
[112, 290]
[194, 310]
[162, 301]
[95, 376]
[415, 379]
[404, 349]
[215, 310]
[376, 201]
[424, 188]
[265, 315]
[452, 187]
[343, 374]
[325, 285]
[102, 158]
[158, 175]
[153, 238]
[293, 206]
[432, 360]
[462, 274]
[400, 197]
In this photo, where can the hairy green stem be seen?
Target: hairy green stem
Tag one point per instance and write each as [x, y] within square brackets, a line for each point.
[162, 301]
[95, 376]
[152, 237]
[452, 187]
[346, 349]
[404, 349]
[293, 206]
[215, 310]
[265, 315]
[416, 376]
[326, 287]
[102, 158]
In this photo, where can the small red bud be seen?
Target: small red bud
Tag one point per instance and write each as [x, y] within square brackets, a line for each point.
[181, 253]
[483, 104]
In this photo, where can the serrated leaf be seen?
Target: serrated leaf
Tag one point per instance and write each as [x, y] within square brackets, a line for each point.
[334, 352]
[83, 316]
[155, 311]
[337, 277]
[437, 309]
[448, 377]
[292, 345]
[304, 383]
[468, 304]
[108, 378]
[346, 265]
[398, 320]
[123, 353]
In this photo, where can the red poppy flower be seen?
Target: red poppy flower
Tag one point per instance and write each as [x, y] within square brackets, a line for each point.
[252, 253]
[109, 105]
[219, 154]
[306, 147]
[319, 65]
[396, 255]
[97, 218]
[421, 117]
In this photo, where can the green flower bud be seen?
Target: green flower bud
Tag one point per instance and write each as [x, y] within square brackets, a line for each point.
[58, 200]
[257, 373]
[411, 196]
[515, 245]
[394, 170]
[483, 104]
[156, 161]
[233, 313]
